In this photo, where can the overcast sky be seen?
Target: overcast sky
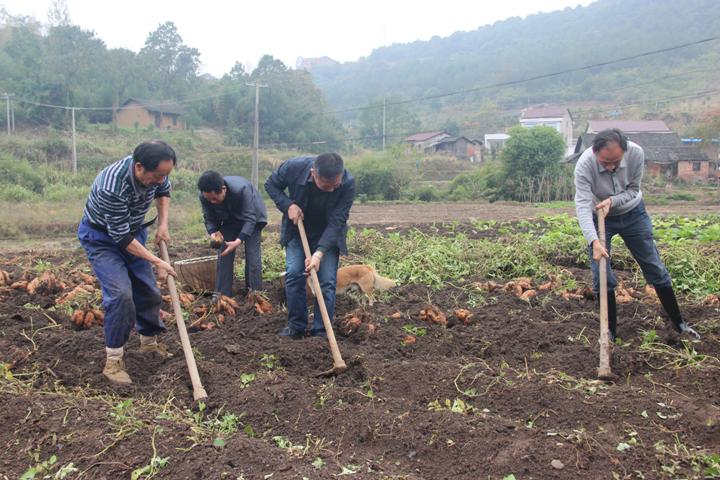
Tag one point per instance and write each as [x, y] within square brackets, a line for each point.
[230, 31]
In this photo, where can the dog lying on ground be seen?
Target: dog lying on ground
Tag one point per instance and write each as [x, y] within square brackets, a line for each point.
[362, 278]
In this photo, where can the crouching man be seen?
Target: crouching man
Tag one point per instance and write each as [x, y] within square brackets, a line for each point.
[113, 235]
[607, 179]
[235, 215]
[320, 191]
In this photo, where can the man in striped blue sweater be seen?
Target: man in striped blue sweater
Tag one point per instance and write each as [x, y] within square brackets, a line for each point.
[113, 235]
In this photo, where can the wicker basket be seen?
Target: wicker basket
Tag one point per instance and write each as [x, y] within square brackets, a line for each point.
[197, 274]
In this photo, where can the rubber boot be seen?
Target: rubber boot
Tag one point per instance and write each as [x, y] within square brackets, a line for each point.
[612, 316]
[670, 304]
[151, 345]
[114, 369]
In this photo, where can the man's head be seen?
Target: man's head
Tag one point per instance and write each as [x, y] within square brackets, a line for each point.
[609, 146]
[327, 171]
[212, 187]
[152, 162]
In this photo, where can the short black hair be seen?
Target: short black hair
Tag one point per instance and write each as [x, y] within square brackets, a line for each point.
[329, 165]
[210, 181]
[610, 135]
[149, 154]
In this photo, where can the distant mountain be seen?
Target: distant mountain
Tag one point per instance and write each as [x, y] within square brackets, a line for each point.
[542, 43]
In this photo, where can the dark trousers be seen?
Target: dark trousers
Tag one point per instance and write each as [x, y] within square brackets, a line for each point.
[130, 294]
[253, 261]
[295, 281]
[635, 228]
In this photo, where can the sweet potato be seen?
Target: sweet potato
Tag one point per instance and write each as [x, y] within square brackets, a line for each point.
[45, 283]
[463, 315]
[230, 301]
[4, 278]
[712, 300]
[545, 286]
[433, 315]
[396, 316]
[409, 340]
[524, 282]
[187, 299]
[75, 294]
[89, 320]
[262, 306]
[99, 317]
[78, 317]
[20, 285]
[528, 294]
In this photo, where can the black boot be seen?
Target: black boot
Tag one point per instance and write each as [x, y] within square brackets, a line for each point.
[670, 304]
[612, 315]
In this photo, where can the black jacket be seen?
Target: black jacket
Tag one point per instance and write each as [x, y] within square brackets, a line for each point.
[243, 207]
[294, 175]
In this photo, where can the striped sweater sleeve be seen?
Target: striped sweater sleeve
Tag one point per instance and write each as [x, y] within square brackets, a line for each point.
[116, 213]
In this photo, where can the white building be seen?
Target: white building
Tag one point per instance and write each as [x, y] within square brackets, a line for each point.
[495, 141]
[558, 118]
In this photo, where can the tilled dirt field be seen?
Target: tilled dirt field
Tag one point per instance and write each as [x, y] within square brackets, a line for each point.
[511, 390]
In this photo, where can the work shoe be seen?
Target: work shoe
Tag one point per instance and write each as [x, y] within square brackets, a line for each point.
[291, 333]
[151, 345]
[115, 372]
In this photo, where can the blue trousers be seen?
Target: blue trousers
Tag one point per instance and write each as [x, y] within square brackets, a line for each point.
[635, 228]
[129, 292]
[295, 281]
[253, 261]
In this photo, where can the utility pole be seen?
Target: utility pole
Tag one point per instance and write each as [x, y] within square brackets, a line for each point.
[12, 117]
[7, 110]
[74, 143]
[383, 126]
[256, 139]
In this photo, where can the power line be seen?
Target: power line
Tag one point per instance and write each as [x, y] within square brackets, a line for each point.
[477, 123]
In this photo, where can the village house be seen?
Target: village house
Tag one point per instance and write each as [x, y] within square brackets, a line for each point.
[421, 141]
[459, 147]
[558, 118]
[440, 141]
[136, 113]
[665, 153]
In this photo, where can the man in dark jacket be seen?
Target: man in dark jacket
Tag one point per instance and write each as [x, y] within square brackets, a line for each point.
[321, 192]
[234, 214]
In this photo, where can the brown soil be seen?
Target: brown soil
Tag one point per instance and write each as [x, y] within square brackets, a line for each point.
[526, 370]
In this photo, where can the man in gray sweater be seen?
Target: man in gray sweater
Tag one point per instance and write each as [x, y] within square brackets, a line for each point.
[234, 214]
[607, 179]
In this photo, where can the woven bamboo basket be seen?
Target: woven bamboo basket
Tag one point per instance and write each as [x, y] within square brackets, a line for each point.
[197, 274]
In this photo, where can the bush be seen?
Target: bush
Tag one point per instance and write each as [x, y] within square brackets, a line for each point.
[16, 193]
[64, 193]
[483, 183]
[20, 173]
[54, 149]
[378, 180]
[426, 194]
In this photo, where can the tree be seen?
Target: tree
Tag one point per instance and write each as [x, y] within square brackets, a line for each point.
[173, 64]
[59, 14]
[528, 155]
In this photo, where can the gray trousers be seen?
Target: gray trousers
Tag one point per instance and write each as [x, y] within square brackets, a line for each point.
[253, 262]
